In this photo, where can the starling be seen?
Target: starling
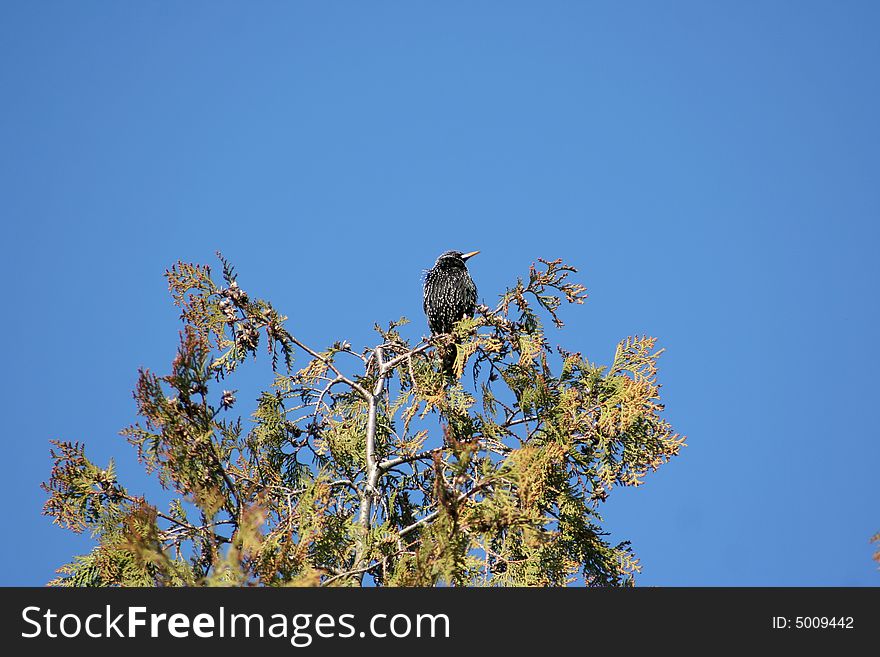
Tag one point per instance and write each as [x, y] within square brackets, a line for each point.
[450, 295]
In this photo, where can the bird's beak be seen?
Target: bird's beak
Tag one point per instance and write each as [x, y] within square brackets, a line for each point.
[469, 255]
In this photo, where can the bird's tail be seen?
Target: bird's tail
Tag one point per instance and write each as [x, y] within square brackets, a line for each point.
[447, 352]
[447, 360]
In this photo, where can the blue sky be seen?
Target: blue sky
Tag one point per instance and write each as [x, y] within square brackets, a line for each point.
[711, 168]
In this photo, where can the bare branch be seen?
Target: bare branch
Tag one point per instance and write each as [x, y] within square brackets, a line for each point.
[431, 516]
[390, 463]
[329, 363]
[409, 354]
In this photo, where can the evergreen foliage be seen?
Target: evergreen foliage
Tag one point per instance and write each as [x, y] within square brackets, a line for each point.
[372, 464]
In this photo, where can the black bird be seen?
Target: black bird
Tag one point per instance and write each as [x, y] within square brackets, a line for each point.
[450, 295]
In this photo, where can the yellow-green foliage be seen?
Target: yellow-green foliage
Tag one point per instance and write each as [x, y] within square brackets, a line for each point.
[373, 464]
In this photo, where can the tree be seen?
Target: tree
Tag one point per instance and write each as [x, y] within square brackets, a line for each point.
[372, 466]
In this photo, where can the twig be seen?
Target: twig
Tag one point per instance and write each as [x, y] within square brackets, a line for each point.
[329, 363]
[397, 359]
[428, 518]
[324, 392]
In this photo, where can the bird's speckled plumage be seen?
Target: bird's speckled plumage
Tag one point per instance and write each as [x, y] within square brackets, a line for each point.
[450, 292]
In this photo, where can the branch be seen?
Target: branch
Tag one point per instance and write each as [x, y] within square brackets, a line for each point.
[522, 420]
[372, 471]
[329, 363]
[324, 392]
[428, 518]
[418, 523]
[349, 573]
[364, 569]
[372, 465]
[387, 464]
[397, 359]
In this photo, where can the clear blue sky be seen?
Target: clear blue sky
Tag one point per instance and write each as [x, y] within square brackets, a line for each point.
[713, 169]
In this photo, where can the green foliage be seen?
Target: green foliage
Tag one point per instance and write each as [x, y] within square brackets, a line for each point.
[373, 463]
